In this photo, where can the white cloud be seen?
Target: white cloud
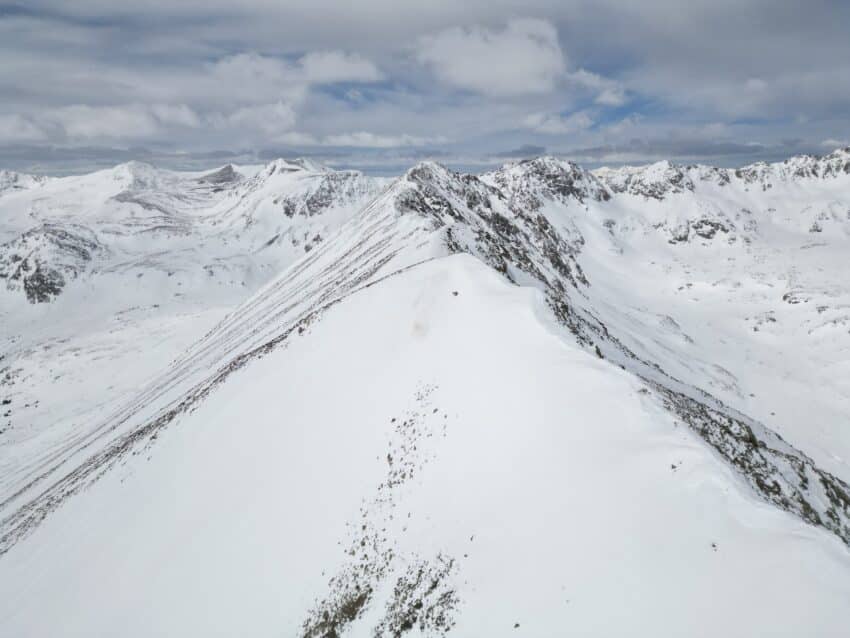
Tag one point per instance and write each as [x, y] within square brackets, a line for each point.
[271, 119]
[255, 77]
[276, 123]
[177, 114]
[522, 58]
[88, 122]
[273, 122]
[608, 92]
[626, 126]
[756, 84]
[613, 96]
[81, 121]
[833, 143]
[363, 139]
[218, 57]
[129, 121]
[325, 67]
[296, 138]
[554, 124]
[359, 139]
[16, 128]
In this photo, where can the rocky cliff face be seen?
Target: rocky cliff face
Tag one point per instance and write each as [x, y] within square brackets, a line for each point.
[44, 259]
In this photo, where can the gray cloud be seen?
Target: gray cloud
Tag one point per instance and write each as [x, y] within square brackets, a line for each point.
[524, 151]
[384, 81]
[524, 57]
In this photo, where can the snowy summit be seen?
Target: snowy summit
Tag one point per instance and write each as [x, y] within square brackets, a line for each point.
[321, 403]
[424, 320]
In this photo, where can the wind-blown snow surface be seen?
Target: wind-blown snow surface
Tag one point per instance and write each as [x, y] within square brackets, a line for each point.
[106, 278]
[540, 474]
[390, 438]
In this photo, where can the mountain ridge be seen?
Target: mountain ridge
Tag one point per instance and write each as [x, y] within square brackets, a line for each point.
[682, 310]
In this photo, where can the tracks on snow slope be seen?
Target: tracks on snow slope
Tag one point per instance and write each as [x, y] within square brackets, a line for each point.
[470, 216]
[524, 246]
[359, 255]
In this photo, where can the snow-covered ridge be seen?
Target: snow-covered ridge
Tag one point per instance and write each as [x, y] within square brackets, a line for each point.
[639, 361]
[653, 181]
[835, 164]
[13, 181]
[533, 181]
[524, 222]
[662, 178]
[149, 220]
[298, 164]
[42, 260]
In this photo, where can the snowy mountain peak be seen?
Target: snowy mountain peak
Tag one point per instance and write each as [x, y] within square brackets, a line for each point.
[545, 168]
[13, 181]
[530, 183]
[135, 169]
[653, 181]
[532, 345]
[44, 259]
[542, 164]
[135, 175]
[833, 165]
[429, 189]
[429, 171]
[660, 179]
[225, 175]
[840, 153]
[282, 165]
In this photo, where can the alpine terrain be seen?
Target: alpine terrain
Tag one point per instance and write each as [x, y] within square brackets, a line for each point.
[285, 400]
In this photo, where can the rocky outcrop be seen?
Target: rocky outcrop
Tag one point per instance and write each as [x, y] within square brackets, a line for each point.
[526, 248]
[44, 259]
[655, 181]
[331, 188]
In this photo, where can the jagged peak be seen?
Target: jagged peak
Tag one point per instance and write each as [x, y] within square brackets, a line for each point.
[225, 175]
[13, 180]
[653, 180]
[654, 170]
[548, 162]
[549, 177]
[429, 171]
[284, 165]
[544, 167]
[137, 175]
[803, 166]
[656, 179]
[841, 152]
[10, 175]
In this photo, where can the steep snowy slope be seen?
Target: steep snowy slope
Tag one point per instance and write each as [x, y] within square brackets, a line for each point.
[107, 277]
[138, 220]
[739, 283]
[13, 181]
[554, 496]
[390, 438]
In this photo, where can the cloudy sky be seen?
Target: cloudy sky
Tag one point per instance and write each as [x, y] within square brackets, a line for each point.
[380, 83]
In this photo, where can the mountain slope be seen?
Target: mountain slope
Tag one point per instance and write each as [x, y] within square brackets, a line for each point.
[730, 285]
[390, 437]
[538, 495]
[108, 277]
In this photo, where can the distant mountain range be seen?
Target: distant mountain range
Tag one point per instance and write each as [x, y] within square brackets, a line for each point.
[290, 400]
